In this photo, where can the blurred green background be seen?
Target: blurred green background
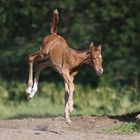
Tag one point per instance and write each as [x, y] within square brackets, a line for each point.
[113, 24]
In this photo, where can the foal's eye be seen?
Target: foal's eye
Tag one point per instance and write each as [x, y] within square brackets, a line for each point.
[94, 58]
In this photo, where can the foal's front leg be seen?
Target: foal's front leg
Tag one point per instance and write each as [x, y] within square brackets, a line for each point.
[66, 111]
[69, 87]
[70, 103]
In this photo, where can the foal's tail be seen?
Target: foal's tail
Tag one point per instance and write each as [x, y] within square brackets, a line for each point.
[55, 21]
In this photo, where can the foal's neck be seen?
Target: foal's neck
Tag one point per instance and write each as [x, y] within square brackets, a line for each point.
[83, 57]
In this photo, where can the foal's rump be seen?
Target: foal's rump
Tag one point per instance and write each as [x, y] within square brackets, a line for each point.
[53, 47]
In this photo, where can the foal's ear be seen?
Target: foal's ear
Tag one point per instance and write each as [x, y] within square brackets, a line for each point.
[99, 48]
[91, 45]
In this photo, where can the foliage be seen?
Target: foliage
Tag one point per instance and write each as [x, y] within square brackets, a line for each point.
[112, 23]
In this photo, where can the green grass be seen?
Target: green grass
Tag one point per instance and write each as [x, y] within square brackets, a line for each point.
[38, 107]
[49, 101]
[126, 128]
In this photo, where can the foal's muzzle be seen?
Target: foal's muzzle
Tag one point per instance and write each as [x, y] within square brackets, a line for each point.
[99, 71]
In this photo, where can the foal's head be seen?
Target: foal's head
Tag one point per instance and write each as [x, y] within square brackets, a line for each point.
[96, 58]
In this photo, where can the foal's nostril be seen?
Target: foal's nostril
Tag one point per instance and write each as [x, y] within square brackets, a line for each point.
[101, 70]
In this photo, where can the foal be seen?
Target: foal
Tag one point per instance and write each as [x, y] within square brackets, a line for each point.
[54, 52]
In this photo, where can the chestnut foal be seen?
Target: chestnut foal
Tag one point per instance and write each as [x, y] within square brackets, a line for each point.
[54, 52]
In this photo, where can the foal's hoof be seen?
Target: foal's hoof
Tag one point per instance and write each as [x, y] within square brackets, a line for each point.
[138, 117]
[68, 122]
[28, 96]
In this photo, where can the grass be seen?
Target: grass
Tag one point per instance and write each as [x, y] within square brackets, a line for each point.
[38, 107]
[50, 101]
[126, 128]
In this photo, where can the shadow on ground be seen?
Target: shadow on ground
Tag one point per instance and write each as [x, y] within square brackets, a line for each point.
[130, 117]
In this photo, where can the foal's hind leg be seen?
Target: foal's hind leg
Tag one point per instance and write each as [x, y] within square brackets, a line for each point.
[39, 67]
[31, 59]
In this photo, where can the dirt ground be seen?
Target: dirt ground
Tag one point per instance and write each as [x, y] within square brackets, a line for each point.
[82, 128]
